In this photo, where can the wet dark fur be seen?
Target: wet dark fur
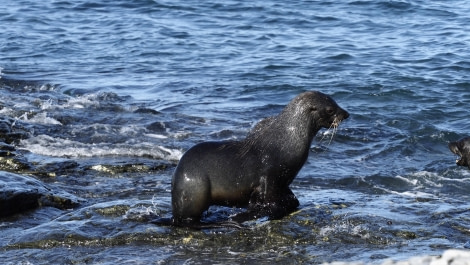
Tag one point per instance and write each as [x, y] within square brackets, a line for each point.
[255, 172]
[462, 149]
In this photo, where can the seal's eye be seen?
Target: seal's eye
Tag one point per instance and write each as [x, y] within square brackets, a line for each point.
[330, 111]
[312, 109]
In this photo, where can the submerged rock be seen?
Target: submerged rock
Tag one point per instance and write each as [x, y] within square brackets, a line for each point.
[21, 193]
[6, 150]
[11, 133]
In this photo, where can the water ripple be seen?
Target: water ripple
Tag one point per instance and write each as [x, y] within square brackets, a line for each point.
[106, 96]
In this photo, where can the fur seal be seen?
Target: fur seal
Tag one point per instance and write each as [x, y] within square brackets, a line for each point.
[255, 172]
[462, 149]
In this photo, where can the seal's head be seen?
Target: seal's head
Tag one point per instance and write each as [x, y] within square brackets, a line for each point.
[462, 149]
[322, 109]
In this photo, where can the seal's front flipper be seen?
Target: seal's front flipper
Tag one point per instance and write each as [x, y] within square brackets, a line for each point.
[286, 205]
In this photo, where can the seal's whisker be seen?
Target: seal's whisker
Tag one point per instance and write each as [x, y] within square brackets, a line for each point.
[332, 135]
[335, 129]
[335, 126]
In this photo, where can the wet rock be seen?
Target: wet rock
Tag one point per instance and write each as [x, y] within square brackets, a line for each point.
[406, 234]
[6, 150]
[129, 168]
[14, 163]
[11, 132]
[21, 193]
[147, 111]
[159, 127]
[57, 168]
[5, 127]
[10, 159]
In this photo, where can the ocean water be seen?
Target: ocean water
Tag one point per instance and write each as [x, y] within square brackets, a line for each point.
[104, 97]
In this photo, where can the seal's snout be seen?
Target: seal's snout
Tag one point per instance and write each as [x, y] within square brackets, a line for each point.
[341, 114]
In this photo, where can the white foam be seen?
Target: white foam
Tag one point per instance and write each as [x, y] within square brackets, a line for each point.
[144, 211]
[432, 178]
[425, 174]
[46, 104]
[463, 180]
[345, 227]
[41, 118]
[6, 111]
[58, 147]
[414, 194]
[410, 181]
[81, 102]
[157, 136]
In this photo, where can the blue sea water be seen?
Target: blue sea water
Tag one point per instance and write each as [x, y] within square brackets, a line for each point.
[106, 83]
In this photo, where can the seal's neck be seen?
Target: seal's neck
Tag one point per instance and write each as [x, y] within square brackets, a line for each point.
[288, 135]
[298, 129]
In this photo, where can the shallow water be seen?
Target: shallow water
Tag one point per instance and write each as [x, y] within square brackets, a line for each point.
[102, 99]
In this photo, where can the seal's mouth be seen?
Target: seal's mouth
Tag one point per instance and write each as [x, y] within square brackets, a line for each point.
[336, 122]
[339, 118]
[334, 125]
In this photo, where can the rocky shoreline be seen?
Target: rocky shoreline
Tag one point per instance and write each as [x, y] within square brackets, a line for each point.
[449, 257]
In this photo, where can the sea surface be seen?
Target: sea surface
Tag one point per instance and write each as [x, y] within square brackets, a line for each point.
[105, 96]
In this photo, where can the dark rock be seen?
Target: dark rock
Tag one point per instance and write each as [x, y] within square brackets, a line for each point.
[11, 131]
[6, 150]
[147, 111]
[54, 169]
[21, 193]
[13, 163]
[5, 127]
[158, 126]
